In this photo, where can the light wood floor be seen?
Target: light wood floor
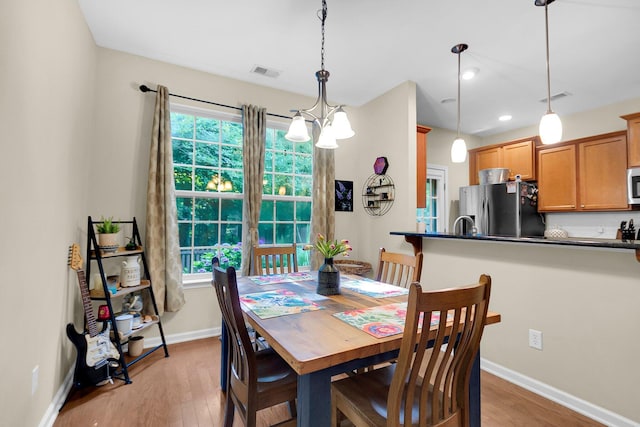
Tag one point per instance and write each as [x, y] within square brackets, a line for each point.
[184, 391]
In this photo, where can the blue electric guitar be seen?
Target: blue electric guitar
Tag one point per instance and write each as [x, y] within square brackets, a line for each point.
[96, 353]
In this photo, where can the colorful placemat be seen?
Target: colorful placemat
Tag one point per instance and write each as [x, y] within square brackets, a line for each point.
[381, 321]
[270, 279]
[280, 302]
[372, 288]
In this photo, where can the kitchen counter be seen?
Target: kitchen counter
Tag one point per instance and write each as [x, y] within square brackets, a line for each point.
[416, 240]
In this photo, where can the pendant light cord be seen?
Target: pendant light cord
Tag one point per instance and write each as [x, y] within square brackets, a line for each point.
[546, 26]
[458, 131]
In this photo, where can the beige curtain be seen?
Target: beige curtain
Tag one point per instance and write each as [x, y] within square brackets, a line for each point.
[323, 214]
[253, 148]
[162, 247]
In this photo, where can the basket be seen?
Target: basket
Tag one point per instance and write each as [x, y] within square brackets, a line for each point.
[352, 266]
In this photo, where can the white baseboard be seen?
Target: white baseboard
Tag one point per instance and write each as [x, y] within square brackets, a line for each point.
[58, 400]
[54, 407]
[574, 403]
[183, 337]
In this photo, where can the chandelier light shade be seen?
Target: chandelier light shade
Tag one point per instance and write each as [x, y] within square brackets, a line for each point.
[298, 129]
[459, 147]
[330, 119]
[550, 129]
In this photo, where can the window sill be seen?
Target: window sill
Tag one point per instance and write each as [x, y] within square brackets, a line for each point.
[203, 280]
[195, 281]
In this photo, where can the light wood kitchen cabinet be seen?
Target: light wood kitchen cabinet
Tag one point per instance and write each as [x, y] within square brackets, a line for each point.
[518, 156]
[603, 173]
[588, 174]
[633, 139]
[557, 177]
[421, 166]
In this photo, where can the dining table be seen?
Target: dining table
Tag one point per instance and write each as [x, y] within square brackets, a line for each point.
[323, 336]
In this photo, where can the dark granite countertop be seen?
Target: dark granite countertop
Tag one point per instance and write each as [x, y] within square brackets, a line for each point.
[569, 241]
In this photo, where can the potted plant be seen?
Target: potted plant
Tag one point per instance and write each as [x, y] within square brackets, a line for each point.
[108, 234]
[329, 274]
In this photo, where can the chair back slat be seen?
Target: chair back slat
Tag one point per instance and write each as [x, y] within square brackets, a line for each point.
[399, 269]
[274, 259]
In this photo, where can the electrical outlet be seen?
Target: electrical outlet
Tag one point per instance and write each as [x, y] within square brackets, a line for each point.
[535, 339]
[34, 380]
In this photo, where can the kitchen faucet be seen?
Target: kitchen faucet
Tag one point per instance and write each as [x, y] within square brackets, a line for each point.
[474, 230]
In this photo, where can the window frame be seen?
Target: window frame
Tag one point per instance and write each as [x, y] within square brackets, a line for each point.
[204, 279]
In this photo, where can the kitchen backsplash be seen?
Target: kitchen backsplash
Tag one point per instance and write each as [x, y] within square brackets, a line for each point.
[603, 225]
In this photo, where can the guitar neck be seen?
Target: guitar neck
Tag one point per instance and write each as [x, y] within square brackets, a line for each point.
[86, 303]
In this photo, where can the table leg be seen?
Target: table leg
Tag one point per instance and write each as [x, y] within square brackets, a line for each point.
[314, 399]
[475, 420]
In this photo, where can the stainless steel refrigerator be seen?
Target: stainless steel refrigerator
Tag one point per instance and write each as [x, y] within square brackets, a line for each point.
[507, 209]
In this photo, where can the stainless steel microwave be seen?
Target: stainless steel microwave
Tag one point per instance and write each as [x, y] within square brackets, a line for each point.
[633, 186]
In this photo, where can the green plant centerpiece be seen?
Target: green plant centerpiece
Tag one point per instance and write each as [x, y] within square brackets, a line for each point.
[108, 234]
[328, 273]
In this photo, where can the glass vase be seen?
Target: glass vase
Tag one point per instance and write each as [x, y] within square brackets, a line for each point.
[328, 278]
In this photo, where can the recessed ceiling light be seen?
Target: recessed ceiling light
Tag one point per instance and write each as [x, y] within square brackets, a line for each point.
[470, 73]
[505, 118]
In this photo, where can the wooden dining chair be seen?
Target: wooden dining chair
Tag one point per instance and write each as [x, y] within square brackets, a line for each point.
[255, 379]
[399, 269]
[275, 259]
[425, 387]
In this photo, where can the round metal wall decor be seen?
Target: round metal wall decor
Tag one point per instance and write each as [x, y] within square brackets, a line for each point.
[378, 194]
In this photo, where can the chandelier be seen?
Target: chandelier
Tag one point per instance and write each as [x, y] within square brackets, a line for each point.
[331, 119]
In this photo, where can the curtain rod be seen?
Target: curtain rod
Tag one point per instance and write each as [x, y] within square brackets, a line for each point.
[145, 88]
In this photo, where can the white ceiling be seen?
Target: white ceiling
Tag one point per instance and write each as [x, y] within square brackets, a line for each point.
[372, 46]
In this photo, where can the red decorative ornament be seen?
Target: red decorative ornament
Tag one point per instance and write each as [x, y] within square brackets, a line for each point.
[103, 312]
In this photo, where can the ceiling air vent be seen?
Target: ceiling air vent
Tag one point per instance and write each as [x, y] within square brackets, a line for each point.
[264, 71]
[556, 96]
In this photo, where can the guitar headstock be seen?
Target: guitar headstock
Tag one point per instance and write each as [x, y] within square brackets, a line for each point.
[75, 259]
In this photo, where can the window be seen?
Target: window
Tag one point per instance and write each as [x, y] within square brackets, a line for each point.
[207, 159]
[435, 215]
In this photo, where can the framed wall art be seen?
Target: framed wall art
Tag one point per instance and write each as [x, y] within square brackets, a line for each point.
[344, 196]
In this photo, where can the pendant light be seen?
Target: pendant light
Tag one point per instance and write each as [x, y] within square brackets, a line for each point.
[332, 119]
[550, 129]
[459, 147]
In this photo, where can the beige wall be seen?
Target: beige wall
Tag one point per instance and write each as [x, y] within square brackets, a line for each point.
[584, 301]
[47, 74]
